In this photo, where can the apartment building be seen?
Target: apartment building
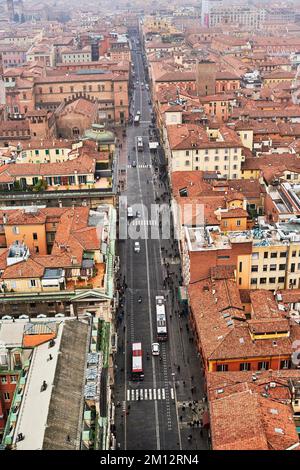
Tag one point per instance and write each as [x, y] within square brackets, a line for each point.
[231, 340]
[110, 90]
[73, 56]
[57, 261]
[192, 147]
[247, 17]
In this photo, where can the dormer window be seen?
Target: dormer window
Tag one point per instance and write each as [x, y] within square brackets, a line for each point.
[183, 192]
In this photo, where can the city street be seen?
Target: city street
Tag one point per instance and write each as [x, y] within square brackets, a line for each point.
[163, 411]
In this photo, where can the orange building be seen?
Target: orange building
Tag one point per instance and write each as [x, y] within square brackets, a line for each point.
[26, 227]
[231, 340]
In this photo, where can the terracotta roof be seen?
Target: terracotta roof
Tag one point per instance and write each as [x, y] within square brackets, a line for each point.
[189, 136]
[82, 165]
[25, 218]
[248, 421]
[25, 269]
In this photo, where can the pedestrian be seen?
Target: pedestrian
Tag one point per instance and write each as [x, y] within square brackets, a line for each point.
[190, 437]
[183, 383]
[192, 378]
[178, 368]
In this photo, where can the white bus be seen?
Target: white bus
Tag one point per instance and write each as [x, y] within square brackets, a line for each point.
[161, 319]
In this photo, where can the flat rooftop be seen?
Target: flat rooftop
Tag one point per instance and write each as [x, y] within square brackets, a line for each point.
[33, 414]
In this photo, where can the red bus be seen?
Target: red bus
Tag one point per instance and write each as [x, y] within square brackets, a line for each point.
[137, 372]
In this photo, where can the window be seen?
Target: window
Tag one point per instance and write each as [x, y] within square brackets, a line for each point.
[187, 153]
[32, 283]
[225, 223]
[206, 159]
[216, 167]
[238, 223]
[255, 255]
[282, 267]
[187, 163]
[222, 368]
[34, 235]
[254, 281]
[197, 159]
[6, 396]
[13, 379]
[272, 280]
[56, 151]
[254, 268]
[265, 267]
[263, 280]
[285, 364]
[273, 267]
[217, 158]
[245, 366]
[264, 365]
[266, 254]
[241, 266]
[283, 254]
[61, 90]
[294, 253]
[281, 279]
[293, 267]
[16, 230]
[4, 380]
[274, 255]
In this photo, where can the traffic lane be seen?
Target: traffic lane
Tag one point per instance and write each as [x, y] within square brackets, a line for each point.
[141, 426]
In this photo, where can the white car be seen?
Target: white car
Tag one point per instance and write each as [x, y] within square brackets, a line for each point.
[137, 247]
[155, 349]
[138, 113]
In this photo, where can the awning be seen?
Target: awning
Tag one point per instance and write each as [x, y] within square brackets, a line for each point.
[182, 294]
[205, 419]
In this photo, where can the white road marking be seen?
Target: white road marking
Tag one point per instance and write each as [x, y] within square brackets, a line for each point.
[128, 395]
[154, 394]
[172, 393]
[158, 394]
[163, 394]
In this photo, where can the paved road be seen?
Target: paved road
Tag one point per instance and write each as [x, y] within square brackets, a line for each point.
[153, 414]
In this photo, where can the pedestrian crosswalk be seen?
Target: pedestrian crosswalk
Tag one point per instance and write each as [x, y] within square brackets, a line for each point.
[139, 166]
[147, 394]
[142, 222]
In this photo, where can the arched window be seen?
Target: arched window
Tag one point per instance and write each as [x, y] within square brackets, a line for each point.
[75, 132]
